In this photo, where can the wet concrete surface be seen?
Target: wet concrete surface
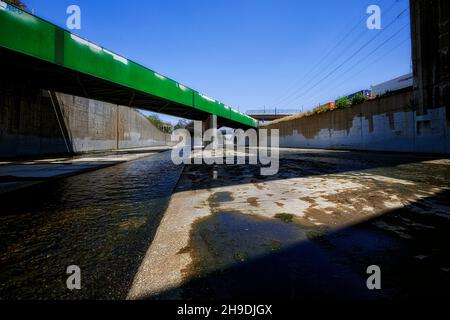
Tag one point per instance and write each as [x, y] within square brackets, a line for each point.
[22, 173]
[308, 232]
[102, 221]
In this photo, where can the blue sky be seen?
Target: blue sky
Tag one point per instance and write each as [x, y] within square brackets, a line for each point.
[250, 53]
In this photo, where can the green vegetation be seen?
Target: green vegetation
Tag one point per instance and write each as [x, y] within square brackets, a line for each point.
[182, 124]
[343, 102]
[241, 256]
[161, 125]
[273, 245]
[316, 233]
[167, 127]
[285, 217]
[358, 98]
[155, 120]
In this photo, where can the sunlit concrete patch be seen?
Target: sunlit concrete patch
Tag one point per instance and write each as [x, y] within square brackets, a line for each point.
[216, 224]
[282, 196]
[445, 162]
[165, 260]
[384, 179]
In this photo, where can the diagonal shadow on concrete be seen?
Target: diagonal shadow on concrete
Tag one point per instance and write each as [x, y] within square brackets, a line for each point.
[410, 248]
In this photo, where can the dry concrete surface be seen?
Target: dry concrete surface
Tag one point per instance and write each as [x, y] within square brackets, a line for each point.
[310, 231]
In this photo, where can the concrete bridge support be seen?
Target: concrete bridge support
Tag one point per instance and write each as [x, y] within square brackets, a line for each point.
[199, 129]
[430, 35]
[211, 123]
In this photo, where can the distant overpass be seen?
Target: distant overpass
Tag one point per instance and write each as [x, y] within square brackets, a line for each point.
[39, 54]
[271, 114]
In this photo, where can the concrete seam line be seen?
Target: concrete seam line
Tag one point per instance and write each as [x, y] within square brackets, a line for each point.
[59, 121]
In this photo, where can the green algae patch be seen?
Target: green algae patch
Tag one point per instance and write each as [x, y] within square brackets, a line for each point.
[316, 233]
[285, 217]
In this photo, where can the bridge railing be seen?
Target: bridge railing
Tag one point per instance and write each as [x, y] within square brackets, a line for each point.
[273, 111]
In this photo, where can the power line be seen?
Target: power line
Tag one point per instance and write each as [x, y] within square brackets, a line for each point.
[286, 98]
[322, 59]
[373, 51]
[375, 61]
[340, 84]
[321, 70]
[349, 58]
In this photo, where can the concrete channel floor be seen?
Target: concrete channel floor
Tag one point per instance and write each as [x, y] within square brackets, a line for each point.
[17, 174]
[308, 232]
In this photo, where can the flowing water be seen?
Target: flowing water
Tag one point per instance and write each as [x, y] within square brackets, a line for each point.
[101, 221]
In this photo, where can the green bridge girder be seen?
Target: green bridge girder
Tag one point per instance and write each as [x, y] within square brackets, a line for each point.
[53, 58]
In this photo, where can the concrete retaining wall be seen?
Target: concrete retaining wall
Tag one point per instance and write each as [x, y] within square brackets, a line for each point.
[385, 124]
[30, 124]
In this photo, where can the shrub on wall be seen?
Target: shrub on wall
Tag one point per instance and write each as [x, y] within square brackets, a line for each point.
[343, 102]
[358, 98]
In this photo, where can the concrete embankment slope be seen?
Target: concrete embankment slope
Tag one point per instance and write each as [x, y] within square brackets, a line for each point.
[385, 124]
[34, 122]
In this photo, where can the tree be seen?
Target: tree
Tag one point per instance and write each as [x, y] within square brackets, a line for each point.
[343, 102]
[17, 3]
[182, 124]
[358, 98]
[155, 120]
[161, 125]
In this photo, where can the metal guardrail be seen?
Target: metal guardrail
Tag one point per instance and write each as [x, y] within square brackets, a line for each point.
[274, 111]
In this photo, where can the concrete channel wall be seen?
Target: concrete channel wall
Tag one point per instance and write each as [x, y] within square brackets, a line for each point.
[34, 122]
[384, 124]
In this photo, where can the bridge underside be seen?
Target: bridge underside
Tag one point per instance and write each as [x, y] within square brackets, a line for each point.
[32, 73]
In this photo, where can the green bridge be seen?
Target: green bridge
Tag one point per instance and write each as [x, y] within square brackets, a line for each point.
[50, 57]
